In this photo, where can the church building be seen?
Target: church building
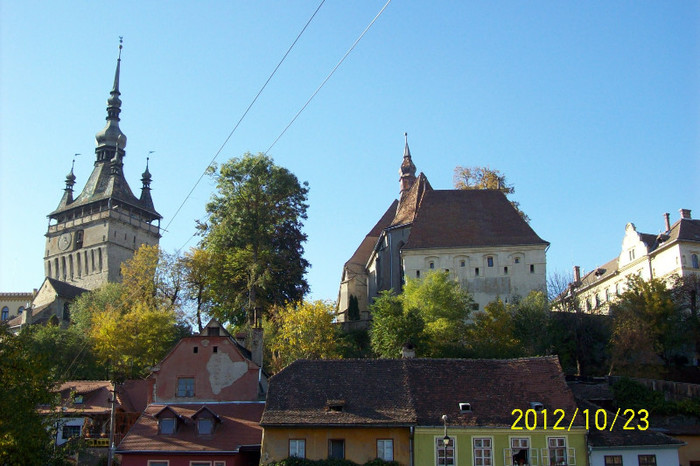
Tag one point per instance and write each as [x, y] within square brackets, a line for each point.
[89, 236]
[476, 236]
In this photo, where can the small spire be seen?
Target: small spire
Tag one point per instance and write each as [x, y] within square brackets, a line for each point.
[407, 171]
[146, 176]
[111, 135]
[406, 150]
[70, 178]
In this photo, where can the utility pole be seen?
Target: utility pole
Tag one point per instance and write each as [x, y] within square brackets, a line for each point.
[111, 425]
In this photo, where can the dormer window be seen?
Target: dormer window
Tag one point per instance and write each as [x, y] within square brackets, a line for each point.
[336, 406]
[537, 406]
[78, 399]
[205, 426]
[465, 408]
[166, 425]
[205, 419]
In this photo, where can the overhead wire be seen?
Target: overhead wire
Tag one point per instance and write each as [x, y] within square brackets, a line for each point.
[216, 155]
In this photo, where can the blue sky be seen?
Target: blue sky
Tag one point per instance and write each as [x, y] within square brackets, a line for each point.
[591, 109]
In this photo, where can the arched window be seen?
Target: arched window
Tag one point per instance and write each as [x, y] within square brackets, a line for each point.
[5, 313]
[694, 260]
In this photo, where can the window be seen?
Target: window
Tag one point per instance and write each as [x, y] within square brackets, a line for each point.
[20, 310]
[78, 399]
[215, 349]
[68, 432]
[489, 261]
[336, 449]
[444, 455]
[462, 263]
[417, 273]
[482, 452]
[694, 261]
[158, 463]
[205, 426]
[631, 254]
[167, 425]
[79, 239]
[520, 449]
[432, 265]
[613, 460]
[476, 271]
[195, 350]
[5, 313]
[385, 449]
[213, 331]
[532, 268]
[185, 386]
[557, 450]
[505, 270]
[200, 463]
[516, 260]
[219, 463]
[647, 460]
[297, 447]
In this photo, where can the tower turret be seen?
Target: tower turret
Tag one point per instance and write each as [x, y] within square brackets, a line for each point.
[407, 171]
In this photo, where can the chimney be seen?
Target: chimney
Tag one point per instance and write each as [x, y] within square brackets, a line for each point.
[577, 274]
[667, 219]
[685, 213]
[256, 346]
[408, 351]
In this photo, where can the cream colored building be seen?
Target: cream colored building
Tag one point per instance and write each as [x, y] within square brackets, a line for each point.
[13, 304]
[475, 235]
[673, 252]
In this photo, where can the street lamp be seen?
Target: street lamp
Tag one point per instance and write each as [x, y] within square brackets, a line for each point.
[446, 438]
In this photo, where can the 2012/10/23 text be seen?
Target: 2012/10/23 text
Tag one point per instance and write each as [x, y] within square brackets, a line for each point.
[598, 419]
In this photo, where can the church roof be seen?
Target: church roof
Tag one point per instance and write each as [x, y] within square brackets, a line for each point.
[65, 290]
[410, 201]
[364, 251]
[473, 218]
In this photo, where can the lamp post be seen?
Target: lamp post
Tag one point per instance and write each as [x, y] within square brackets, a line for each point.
[445, 439]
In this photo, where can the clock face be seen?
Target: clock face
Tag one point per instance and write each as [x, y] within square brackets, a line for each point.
[64, 241]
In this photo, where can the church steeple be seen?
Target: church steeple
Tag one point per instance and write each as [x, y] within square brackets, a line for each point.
[146, 200]
[407, 170]
[110, 139]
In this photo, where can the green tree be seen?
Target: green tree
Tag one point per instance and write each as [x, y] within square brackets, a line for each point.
[27, 381]
[431, 313]
[393, 326]
[485, 178]
[492, 334]
[198, 265]
[531, 319]
[70, 351]
[133, 324]
[254, 227]
[305, 330]
[647, 324]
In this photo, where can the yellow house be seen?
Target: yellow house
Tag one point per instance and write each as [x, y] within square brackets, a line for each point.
[425, 412]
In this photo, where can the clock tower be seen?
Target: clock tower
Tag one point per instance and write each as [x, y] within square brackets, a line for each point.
[89, 236]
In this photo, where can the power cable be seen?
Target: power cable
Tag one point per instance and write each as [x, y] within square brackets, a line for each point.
[244, 115]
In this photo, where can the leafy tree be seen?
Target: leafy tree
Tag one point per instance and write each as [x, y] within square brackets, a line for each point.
[305, 331]
[26, 435]
[70, 350]
[431, 313]
[198, 266]
[492, 334]
[353, 308]
[531, 318]
[133, 324]
[254, 227]
[647, 324]
[485, 178]
[393, 326]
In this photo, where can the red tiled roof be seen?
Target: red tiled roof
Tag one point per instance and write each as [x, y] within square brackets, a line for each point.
[459, 218]
[131, 396]
[411, 201]
[414, 391]
[239, 427]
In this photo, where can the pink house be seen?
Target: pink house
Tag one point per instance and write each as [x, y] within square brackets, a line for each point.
[206, 398]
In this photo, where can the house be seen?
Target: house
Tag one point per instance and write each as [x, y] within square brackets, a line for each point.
[423, 412]
[52, 301]
[85, 413]
[206, 398]
[13, 304]
[629, 441]
[673, 252]
[476, 236]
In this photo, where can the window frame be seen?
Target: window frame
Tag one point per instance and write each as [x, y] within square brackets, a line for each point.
[381, 453]
[179, 392]
[488, 449]
[612, 460]
[201, 420]
[158, 462]
[515, 449]
[440, 447]
[297, 442]
[553, 450]
[338, 441]
[646, 460]
[163, 420]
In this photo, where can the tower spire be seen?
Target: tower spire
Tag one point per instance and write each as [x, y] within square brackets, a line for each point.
[110, 139]
[407, 171]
